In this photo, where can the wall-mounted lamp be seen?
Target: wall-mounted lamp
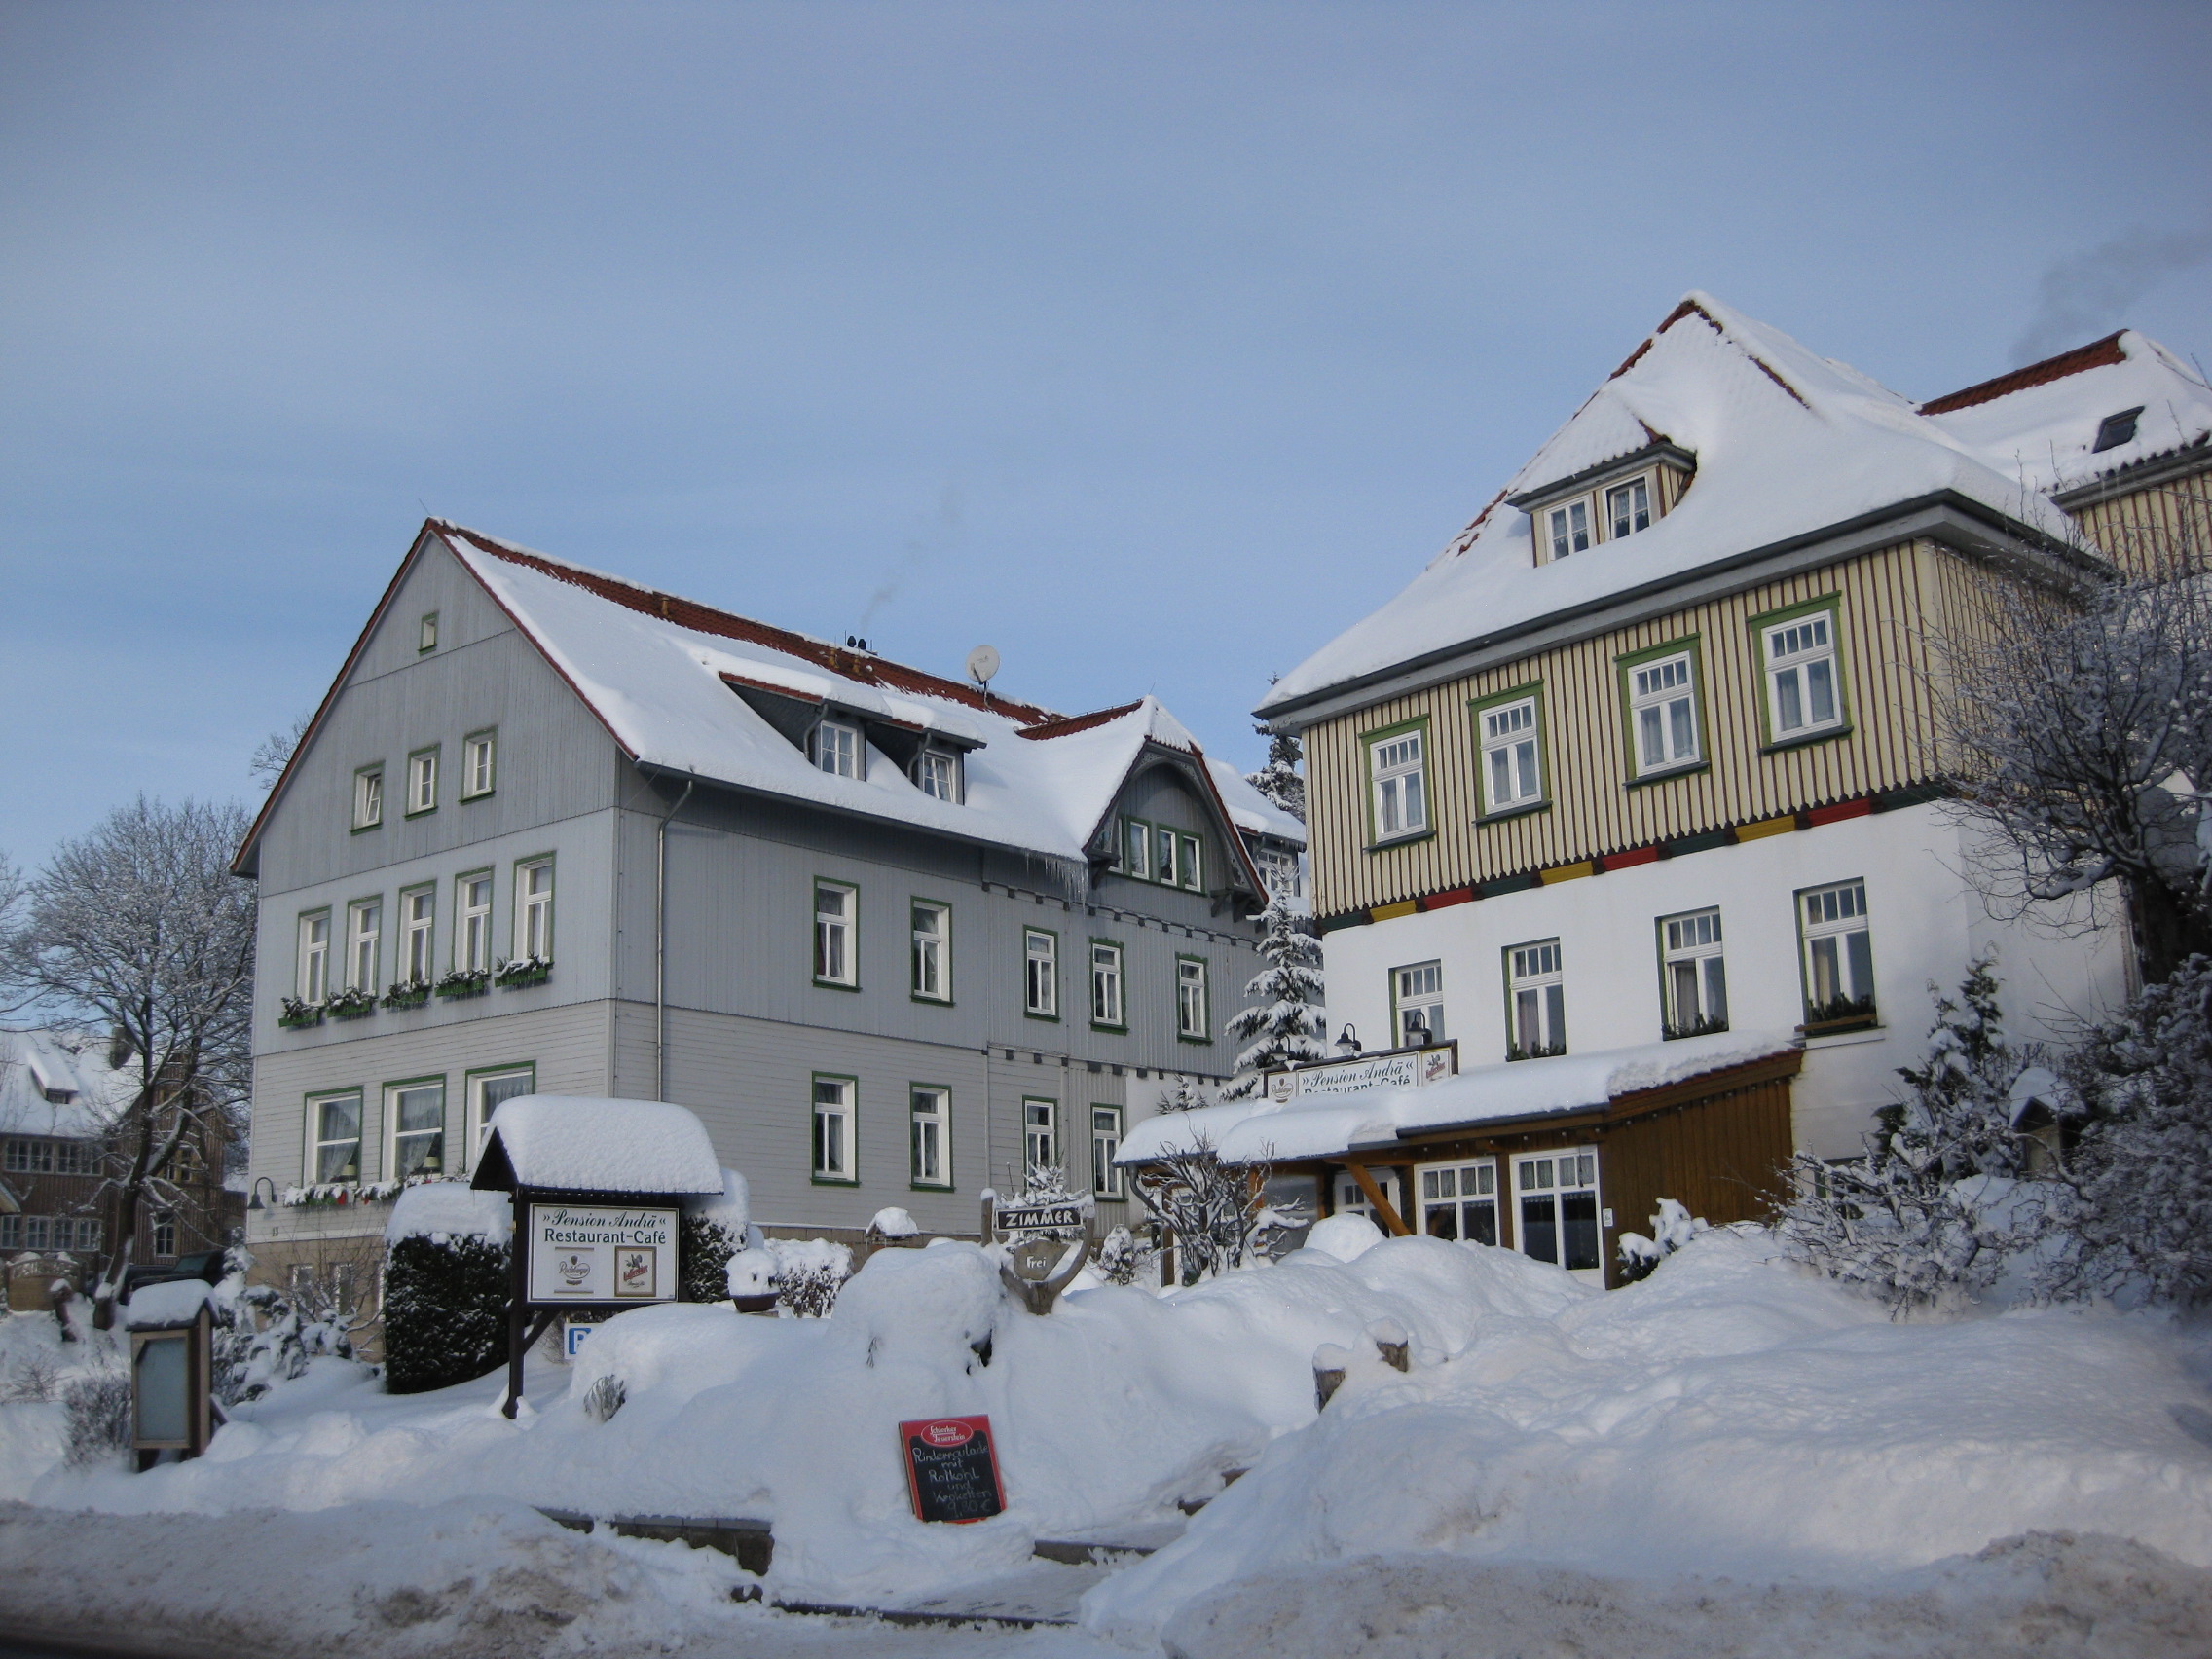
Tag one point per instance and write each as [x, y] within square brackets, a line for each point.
[1349, 1042]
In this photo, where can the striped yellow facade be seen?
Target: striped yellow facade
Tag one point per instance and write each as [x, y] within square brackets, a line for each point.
[1888, 603]
[2155, 532]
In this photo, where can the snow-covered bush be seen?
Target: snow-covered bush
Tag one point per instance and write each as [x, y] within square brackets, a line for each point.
[1918, 1220]
[96, 1414]
[809, 1274]
[33, 1378]
[1216, 1214]
[1285, 1023]
[1184, 1094]
[2139, 1181]
[711, 1231]
[605, 1397]
[1122, 1257]
[1671, 1228]
[446, 1286]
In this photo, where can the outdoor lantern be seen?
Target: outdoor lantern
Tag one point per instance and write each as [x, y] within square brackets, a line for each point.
[1350, 1041]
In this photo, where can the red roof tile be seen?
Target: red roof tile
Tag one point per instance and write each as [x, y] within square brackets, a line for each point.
[2097, 354]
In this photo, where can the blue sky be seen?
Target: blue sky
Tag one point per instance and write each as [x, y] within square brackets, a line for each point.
[1151, 343]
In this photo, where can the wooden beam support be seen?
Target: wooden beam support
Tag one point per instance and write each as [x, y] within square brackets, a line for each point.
[1381, 1205]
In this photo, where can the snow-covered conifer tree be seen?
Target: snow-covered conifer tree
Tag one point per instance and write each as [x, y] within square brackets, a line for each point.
[1278, 779]
[1184, 1094]
[1285, 1023]
[1908, 1221]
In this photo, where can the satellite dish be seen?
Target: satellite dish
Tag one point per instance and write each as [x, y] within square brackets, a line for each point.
[982, 664]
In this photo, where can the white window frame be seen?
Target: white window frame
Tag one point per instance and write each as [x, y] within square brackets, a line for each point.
[479, 759]
[399, 1141]
[1512, 755]
[1569, 527]
[364, 944]
[1624, 498]
[836, 934]
[1837, 946]
[1693, 965]
[1661, 704]
[312, 979]
[422, 782]
[1040, 1133]
[368, 797]
[1535, 999]
[1166, 857]
[1536, 1180]
[426, 638]
[839, 747]
[937, 775]
[1105, 1146]
[319, 1139]
[1190, 862]
[1802, 666]
[1450, 1190]
[534, 911]
[1416, 988]
[1351, 1199]
[1109, 1004]
[930, 957]
[1397, 770]
[473, 922]
[929, 1138]
[479, 1084]
[417, 935]
[1040, 974]
[1136, 849]
[163, 1230]
[1193, 996]
[836, 1142]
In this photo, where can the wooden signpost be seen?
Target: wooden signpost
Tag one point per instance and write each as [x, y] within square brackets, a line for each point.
[952, 1469]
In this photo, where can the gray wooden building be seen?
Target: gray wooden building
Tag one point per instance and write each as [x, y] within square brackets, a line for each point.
[893, 937]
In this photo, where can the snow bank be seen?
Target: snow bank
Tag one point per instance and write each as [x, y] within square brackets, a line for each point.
[2049, 1594]
[438, 1210]
[581, 1143]
[1730, 1415]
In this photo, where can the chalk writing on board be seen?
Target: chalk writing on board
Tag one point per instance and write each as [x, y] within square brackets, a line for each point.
[952, 1468]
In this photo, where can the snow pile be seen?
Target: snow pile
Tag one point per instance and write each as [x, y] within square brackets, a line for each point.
[1730, 1415]
[585, 1144]
[893, 1223]
[2049, 1594]
[438, 1210]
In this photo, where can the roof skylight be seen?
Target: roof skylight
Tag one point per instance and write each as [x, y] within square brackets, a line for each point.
[2115, 429]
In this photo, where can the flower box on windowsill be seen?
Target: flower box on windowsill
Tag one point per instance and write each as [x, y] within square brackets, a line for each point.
[1699, 1027]
[524, 971]
[1841, 1013]
[411, 993]
[298, 1016]
[351, 1004]
[465, 982]
[1514, 1051]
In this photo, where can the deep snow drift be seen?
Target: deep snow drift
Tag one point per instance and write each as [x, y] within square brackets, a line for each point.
[1733, 1415]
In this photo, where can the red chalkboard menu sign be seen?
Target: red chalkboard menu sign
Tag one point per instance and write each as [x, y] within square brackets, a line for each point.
[952, 1469]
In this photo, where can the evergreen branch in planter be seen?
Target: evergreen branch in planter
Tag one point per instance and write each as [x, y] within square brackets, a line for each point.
[522, 970]
[297, 1014]
[351, 1002]
[408, 993]
[465, 982]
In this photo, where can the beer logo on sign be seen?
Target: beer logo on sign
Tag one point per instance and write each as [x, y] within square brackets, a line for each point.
[574, 1269]
[948, 1434]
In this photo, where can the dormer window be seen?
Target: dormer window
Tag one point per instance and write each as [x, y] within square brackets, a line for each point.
[1627, 507]
[937, 775]
[2115, 429]
[1569, 529]
[835, 748]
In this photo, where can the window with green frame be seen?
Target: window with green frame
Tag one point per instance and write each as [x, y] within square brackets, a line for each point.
[1662, 709]
[1801, 689]
[835, 1130]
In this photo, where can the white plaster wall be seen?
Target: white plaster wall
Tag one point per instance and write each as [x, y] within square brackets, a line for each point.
[1925, 922]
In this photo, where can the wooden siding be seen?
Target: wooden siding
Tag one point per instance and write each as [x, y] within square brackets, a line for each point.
[1887, 598]
[2154, 529]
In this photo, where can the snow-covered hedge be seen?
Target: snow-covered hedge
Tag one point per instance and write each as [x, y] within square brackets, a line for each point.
[710, 1231]
[446, 1286]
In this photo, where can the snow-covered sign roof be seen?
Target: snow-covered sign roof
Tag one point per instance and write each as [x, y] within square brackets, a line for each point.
[1786, 445]
[676, 684]
[58, 1084]
[439, 1210]
[1327, 1126]
[578, 1143]
[171, 1303]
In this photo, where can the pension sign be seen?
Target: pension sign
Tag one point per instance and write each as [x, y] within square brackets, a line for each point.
[580, 1253]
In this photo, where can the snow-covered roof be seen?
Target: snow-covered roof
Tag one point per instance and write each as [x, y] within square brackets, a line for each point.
[2041, 423]
[36, 1063]
[578, 1143]
[658, 671]
[1786, 445]
[171, 1302]
[439, 1210]
[1327, 1126]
